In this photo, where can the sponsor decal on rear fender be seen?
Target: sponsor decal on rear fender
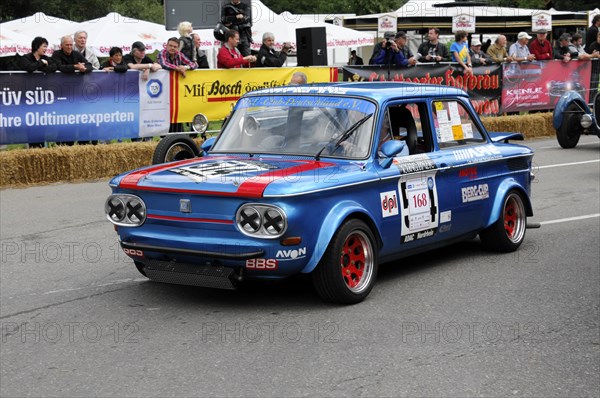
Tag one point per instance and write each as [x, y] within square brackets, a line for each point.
[475, 192]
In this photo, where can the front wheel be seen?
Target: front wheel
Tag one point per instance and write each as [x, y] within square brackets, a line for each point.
[175, 147]
[507, 234]
[347, 272]
[570, 130]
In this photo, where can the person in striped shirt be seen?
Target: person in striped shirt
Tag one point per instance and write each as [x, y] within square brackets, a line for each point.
[172, 59]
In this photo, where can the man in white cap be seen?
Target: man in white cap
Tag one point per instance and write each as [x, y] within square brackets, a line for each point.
[519, 51]
[478, 57]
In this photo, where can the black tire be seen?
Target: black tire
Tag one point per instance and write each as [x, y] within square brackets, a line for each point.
[348, 270]
[507, 234]
[140, 267]
[570, 130]
[175, 147]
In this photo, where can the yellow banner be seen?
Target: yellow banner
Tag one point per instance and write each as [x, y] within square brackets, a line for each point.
[214, 92]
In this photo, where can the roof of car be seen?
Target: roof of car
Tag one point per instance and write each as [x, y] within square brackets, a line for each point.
[377, 90]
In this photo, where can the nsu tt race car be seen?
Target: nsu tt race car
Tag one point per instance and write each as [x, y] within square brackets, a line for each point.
[572, 117]
[328, 180]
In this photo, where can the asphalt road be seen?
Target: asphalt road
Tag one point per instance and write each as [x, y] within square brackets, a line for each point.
[78, 320]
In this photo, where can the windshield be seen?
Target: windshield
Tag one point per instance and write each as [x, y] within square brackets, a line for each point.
[299, 125]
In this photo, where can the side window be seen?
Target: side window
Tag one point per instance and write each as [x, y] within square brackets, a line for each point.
[453, 125]
[405, 122]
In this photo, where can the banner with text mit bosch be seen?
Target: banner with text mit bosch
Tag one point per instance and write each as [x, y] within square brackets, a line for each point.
[64, 107]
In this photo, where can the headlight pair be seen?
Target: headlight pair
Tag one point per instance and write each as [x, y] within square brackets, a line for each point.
[261, 221]
[125, 210]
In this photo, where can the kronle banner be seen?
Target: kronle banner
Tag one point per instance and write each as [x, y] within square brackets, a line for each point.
[71, 107]
[214, 92]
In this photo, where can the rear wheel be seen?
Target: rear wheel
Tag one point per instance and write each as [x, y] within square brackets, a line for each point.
[175, 147]
[570, 130]
[507, 234]
[348, 269]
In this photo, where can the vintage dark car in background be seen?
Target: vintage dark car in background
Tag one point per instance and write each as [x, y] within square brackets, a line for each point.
[573, 117]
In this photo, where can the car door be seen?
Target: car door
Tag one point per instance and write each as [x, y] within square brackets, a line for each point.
[465, 158]
[412, 208]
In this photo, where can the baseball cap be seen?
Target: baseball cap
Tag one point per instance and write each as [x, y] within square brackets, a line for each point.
[475, 43]
[388, 35]
[138, 45]
[541, 31]
[400, 34]
[523, 35]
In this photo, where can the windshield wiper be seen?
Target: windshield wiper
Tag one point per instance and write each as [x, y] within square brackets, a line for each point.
[343, 137]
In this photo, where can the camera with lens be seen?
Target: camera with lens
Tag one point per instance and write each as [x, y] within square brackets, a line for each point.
[388, 43]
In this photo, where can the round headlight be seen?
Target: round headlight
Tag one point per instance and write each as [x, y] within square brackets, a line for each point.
[115, 209]
[274, 221]
[136, 210]
[249, 219]
[200, 123]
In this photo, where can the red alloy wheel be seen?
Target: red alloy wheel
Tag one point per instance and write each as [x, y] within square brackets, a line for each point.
[356, 261]
[514, 223]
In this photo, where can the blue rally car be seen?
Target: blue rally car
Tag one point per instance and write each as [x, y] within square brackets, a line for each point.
[328, 180]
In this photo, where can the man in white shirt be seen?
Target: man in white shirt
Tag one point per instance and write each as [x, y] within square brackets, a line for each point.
[80, 38]
[519, 51]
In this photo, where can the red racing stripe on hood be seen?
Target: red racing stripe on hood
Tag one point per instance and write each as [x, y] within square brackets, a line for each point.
[256, 186]
[252, 188]
[131, 180]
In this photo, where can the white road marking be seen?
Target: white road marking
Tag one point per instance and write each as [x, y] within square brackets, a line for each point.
[558, 146]
[117, 282]
[560, 220]
[566, 164]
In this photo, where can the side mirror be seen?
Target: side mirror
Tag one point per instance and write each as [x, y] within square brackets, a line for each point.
[206, 145]
[390, 149]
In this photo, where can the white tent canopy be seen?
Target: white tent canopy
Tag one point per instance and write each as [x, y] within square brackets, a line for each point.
[284, 25]
[115, 30]
[40, 24]
[12, 43]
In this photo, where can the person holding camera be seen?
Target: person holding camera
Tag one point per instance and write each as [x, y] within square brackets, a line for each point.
[267, 56]
[396, 52]
[235, 15]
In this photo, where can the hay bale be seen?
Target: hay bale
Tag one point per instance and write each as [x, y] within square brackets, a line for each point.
[72, 163]
[534, 125]
[89, 162]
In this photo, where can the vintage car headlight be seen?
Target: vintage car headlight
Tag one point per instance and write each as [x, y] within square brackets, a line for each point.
[586, 121]
[261, 221]
[200, 123]
[125, 210]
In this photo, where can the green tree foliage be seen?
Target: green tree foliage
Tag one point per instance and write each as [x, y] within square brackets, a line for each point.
[149, 10]
[359, 7]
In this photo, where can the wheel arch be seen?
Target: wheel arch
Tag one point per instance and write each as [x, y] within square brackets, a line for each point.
[568, 98]
[335, 218]
[505, 187]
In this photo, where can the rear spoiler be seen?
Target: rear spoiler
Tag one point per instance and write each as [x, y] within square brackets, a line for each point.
[499, 137]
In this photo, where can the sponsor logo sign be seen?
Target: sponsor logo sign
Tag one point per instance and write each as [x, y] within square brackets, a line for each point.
[389, 203]
[133, 252]
[291, 254]
[265, 264]
[475, 192]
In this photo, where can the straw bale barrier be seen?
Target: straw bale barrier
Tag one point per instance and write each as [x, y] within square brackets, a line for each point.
[91, 162]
